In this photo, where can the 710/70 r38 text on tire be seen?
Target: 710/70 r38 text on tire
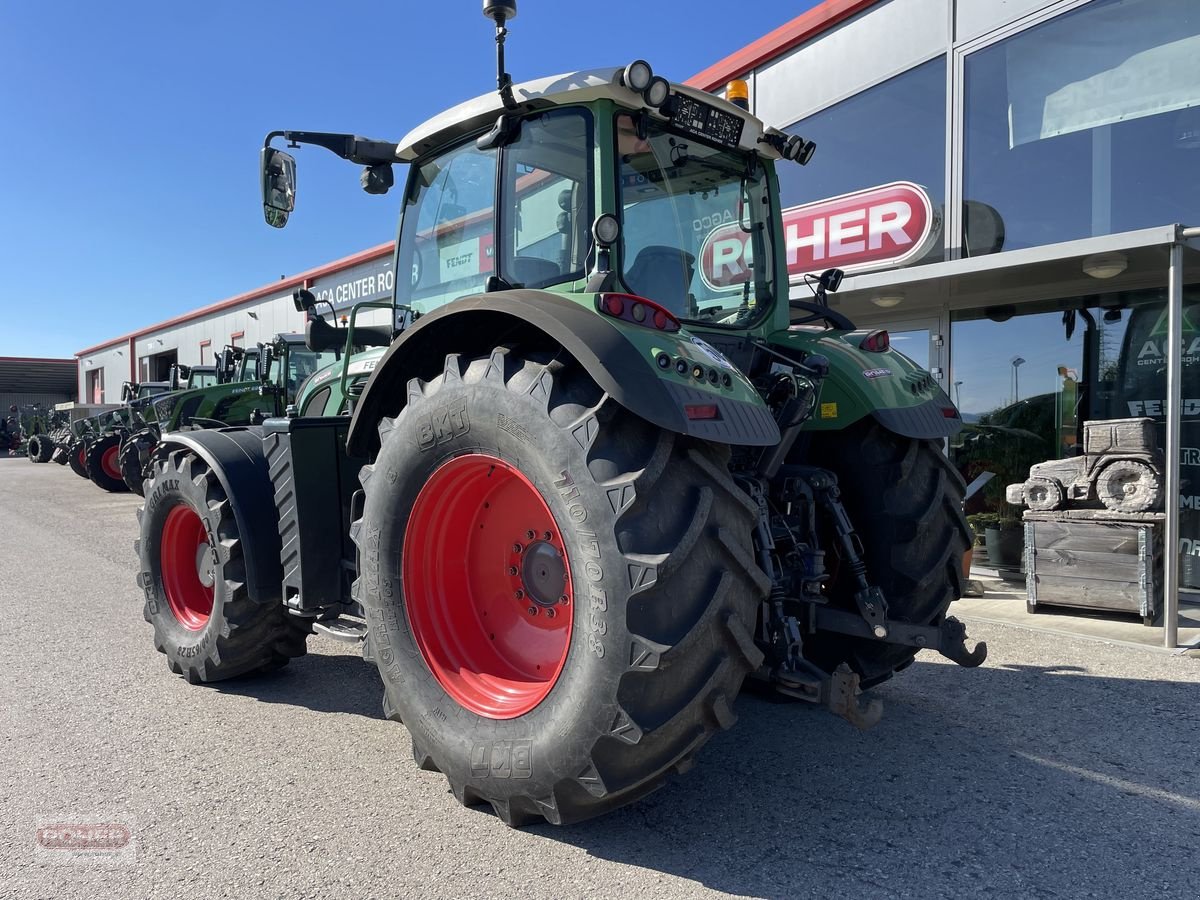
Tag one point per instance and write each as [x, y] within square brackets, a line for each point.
[596, 646]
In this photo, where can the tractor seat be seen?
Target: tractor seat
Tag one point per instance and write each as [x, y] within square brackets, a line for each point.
[531, 271]
[664, 275]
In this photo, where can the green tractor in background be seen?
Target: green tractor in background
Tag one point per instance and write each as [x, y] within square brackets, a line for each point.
[605, 470]
[256, 383]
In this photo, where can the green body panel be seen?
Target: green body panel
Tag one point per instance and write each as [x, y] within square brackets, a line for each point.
[860, 381]
[229, 404]
[360, 367]
[683, 344]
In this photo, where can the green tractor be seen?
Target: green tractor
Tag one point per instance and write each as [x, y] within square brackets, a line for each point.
[44, 430]
[605, 470]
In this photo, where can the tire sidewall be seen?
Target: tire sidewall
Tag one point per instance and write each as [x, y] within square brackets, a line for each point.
[499, 756]
[180, 643]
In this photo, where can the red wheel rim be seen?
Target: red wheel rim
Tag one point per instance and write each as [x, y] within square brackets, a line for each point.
[109, 462]
[188, 567]
[82, 457]
[487, 586]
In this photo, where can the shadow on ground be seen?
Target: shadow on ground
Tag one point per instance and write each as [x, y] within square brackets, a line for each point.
[322, 682]
[1008, 781]
[1003, 781]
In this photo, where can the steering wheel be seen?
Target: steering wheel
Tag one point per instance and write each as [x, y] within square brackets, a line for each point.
[817, 311]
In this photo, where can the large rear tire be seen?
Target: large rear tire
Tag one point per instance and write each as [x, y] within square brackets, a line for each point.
[39, 448]
[194, 577]
[505, 485]
[103, 464]
[904, 499]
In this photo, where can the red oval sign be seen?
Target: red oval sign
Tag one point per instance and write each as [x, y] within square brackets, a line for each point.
[873, 228]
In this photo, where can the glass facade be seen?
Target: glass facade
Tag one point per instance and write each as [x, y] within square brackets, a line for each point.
[1084, 125]
[1027, 383]
[894, 131]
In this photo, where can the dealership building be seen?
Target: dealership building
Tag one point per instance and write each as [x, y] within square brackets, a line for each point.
[1007, 184]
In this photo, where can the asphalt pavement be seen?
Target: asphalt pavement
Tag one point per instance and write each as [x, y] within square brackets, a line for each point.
[1061, 768]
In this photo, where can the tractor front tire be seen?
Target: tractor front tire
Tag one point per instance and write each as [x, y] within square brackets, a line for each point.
[103, 464]
[192, 571]
[904, 499]
[134, 456]
[77, 458]
[560, 596]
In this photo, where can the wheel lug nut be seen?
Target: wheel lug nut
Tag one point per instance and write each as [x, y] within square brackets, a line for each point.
[512, 570]
[516, 548]
[550, 613]
[533, 610]
[563, 600]
[546, 536]
[529, 535]
[519, 594]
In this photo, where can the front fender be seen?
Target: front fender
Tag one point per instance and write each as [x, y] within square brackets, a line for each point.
[887, 385]
[236, 457]
[621, 359]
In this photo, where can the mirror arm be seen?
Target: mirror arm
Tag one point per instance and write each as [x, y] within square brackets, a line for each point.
[347, 146]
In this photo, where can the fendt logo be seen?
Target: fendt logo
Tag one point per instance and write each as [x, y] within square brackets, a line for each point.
[874, 228]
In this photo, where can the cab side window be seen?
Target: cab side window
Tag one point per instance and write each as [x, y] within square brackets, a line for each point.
[448, 235]
[546, 200]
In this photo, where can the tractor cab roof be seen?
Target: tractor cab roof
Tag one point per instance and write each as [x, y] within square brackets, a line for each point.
[561, 90]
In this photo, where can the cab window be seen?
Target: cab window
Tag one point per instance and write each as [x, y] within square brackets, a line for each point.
[448, 234]
[546, 200]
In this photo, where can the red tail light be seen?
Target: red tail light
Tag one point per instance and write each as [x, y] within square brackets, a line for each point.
[637, 310]
[701, 411]
[876, 342]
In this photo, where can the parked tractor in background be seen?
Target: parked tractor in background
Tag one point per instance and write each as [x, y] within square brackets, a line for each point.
[608, 469]
[1121, 468]
[44, 430]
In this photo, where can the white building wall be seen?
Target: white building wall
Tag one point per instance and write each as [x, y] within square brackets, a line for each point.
[883, 41]
[114, 361]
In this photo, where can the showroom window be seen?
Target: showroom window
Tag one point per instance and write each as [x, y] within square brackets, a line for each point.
[894, 131]
[1027, 383]
[1086, 124]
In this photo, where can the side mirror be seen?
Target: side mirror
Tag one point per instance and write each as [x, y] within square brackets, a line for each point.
[304, 300]
[831, 279]
[174, 379]
[127, 392]
[262, 363]
[278, 186]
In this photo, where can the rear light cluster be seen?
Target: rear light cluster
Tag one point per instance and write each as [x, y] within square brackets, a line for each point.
[697, 371]
[637, 310]
[876, 342]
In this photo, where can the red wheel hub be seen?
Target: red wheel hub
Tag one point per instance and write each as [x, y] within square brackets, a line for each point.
[110, 463]
[188, 567]
[487, 586]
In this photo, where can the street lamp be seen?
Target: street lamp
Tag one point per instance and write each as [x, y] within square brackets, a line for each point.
[1017, 362]
[958, 394]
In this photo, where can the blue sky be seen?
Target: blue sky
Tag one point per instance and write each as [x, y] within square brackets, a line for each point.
[130, 131]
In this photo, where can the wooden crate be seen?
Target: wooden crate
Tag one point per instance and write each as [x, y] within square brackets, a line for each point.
[1094, 559]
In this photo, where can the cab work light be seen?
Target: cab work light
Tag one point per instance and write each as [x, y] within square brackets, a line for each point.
[637, 310]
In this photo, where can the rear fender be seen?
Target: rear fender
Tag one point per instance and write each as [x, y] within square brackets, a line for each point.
[886, 385]
[621, 360]
[236, 457]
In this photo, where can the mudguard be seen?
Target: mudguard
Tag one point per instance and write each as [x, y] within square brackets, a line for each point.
[621, 362]
[236, 456]
[886, 385]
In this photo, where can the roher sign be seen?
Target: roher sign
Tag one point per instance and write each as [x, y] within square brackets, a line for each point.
[876, 228]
